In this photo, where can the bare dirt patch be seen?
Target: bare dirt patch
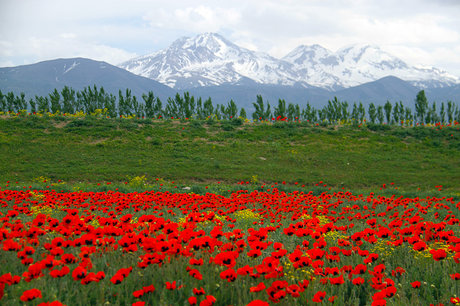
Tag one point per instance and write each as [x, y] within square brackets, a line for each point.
[60, 124]
[98, 141]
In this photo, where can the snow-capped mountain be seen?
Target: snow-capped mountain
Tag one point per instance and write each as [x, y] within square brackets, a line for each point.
[209, 59]
[358, 64]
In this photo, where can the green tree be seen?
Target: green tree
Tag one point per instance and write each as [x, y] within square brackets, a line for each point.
[55, 100]
[280, 110]
[344, 114]
[110, 104]
[3, 105]
[396, 113]
[355, 114]
[68, 100]
[457, 112]
[362, 112]
[442, 113]
[20, 102]
[333, 110]
[309, 113]
[10, 102]
[387, 107]
[138, 108]
[88, 97]
[261, 112]
[408, 115]
[293, 111]
[450, 111]
[231, 110]
[208, 108]
[380, 115]
[199, 108]
[243, 113]
[372, 112]
[187, 108]
[401, 112]
[32, 105]
[125, 103]
[42, 104]
[217, 112]
[432, 116]
[149, 101]
[421, 106]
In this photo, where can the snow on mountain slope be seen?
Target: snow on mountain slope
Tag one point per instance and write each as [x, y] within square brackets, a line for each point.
[209, 59]
[358, 64]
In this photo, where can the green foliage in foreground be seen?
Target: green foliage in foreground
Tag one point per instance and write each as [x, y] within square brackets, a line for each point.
[95, 150]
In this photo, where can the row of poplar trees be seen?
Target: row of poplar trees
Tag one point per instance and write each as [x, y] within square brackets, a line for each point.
[90, 99]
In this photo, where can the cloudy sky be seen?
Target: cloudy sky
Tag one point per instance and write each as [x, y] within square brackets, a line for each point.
[421, 32]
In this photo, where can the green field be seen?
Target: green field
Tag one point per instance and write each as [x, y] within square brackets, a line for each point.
[101, 150]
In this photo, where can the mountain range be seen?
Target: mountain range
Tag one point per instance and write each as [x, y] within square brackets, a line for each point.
[209, 60]
[208, 65]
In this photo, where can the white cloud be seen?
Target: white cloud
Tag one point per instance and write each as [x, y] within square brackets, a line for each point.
[63, 46]
[419, 31]
[197, 19]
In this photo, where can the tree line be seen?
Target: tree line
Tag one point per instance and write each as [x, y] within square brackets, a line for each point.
[184, 106]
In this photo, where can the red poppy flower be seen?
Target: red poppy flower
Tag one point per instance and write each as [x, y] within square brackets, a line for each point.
[304, 284]
[371, 258]
[293, 290]
[229, 274]
[259, 287]
[68, 258]
[198, 291]
[380, 302]
[60, 273]
[358, 281]
[438, 254]
[390, 291]
[196, 262]
[227, 259]
[30, 295]
[192, 300]
[254, 253]
[210, 300]
[337, 280]
[148, 289]
[319, 296]
[171, 286]
[360, 269]
[455, 276]
[117, 279]
[398, 272]
[196, 274]
[244, 270]
[415, 284]
[419, 246]
[79, 273]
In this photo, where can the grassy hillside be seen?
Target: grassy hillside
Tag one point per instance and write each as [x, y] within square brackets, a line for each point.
[100, 150]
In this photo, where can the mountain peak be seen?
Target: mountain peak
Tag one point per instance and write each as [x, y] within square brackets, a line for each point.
[212, 41]
[210, 59]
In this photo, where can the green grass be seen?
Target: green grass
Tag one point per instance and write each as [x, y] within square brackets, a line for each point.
[94, 150]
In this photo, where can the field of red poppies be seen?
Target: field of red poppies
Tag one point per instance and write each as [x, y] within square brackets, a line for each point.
[249, 248]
